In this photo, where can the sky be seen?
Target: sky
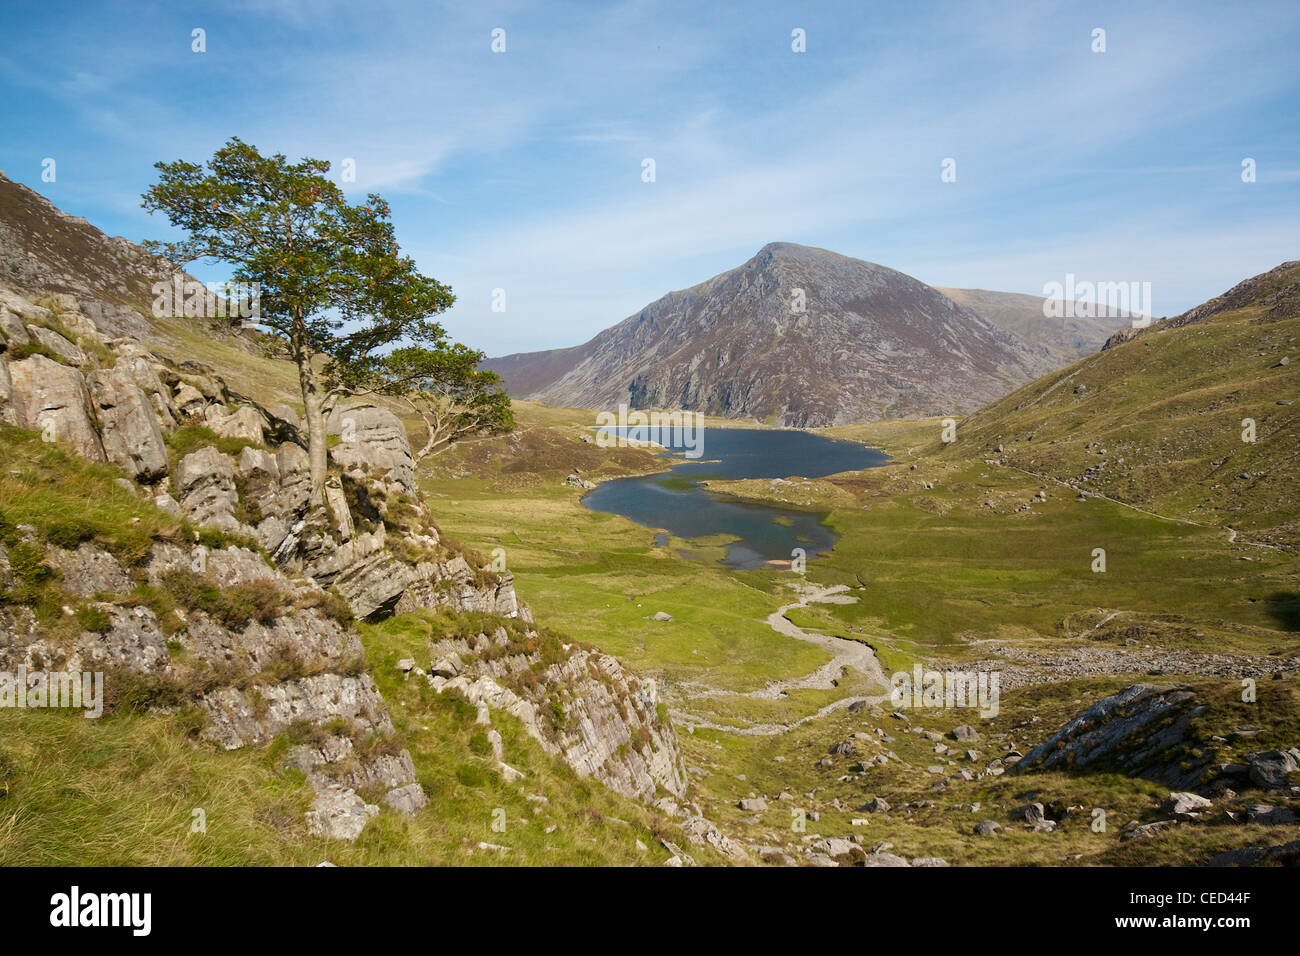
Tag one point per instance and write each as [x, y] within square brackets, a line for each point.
[524, 170]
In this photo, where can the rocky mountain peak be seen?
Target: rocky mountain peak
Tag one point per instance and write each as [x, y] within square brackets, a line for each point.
[797, 335]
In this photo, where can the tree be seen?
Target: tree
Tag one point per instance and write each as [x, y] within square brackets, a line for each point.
[445, 387]
[332, 281]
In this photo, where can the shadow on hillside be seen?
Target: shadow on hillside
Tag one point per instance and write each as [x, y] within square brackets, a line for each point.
[1285, 608]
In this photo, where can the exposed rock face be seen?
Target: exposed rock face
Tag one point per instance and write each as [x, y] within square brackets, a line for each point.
[1144, 730]
[584, 708]
[868, 343]
[46, 394]
[374, 441]
[245, 423]
[128, 423]
[338, 813]
[205, 487]
[57, 344]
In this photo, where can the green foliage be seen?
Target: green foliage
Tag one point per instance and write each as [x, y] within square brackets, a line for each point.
[234, 606]
[70, 500]
[190, 438]
[333, 284]
[93, 619]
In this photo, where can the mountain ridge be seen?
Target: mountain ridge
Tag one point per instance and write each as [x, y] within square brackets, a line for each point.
[797, 335]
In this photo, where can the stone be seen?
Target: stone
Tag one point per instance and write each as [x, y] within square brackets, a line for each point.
[409, 799]
[704, 832]
[54, 396]
[205, 482]
[883, 859]
[753, 804]
[845, 748]
[876, 805]
[128, 424]
[1282, 854]
[337, 813]
[1269, 768]
[1266, 815]
[57, 344]
[1184, 802]
[1142, 731]
[12, 328]
[1030, 812]
[374, 442]
[987, 828]
[89, 570]
[245, 423]
[965, 733]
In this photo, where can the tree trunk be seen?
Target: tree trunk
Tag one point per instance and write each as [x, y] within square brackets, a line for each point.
[317, 445]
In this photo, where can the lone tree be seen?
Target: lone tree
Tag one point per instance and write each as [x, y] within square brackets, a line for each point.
[332, 283]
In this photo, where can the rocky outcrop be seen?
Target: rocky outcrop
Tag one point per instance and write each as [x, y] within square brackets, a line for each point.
[373, 442]
[1144, 730]
[583, 707]
[280, 666]
[128, 421]
[53, 398]
[205, 488]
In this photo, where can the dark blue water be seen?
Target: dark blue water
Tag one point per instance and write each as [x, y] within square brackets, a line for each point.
[673, 500]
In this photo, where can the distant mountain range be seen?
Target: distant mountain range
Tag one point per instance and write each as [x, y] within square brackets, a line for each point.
[803, 336]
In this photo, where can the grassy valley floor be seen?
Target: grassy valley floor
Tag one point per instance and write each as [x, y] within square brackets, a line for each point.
[949, 563]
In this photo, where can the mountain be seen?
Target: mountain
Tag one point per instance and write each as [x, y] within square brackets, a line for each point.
[868, 343]
[1162, 417]
[1064, 339]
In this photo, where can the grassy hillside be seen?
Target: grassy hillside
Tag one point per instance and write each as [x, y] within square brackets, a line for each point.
[1157, 421]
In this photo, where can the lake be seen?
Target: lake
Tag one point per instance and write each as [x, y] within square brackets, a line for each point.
[674, 501]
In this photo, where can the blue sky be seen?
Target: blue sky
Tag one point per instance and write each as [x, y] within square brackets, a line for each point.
[522, 170]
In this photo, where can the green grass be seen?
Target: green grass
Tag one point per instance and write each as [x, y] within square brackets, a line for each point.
[69, 500]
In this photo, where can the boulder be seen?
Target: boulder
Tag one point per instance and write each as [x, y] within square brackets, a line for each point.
[883, 859]
[1183, 802]
[337, 813]
[47, 394]
[1032, 813]
[1268, 815]
[374, 442]
[205, 482]
[1142, 730]
[245, 423]
[1269, 768]
[128, 423]
[12, 328]
[57, 344]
